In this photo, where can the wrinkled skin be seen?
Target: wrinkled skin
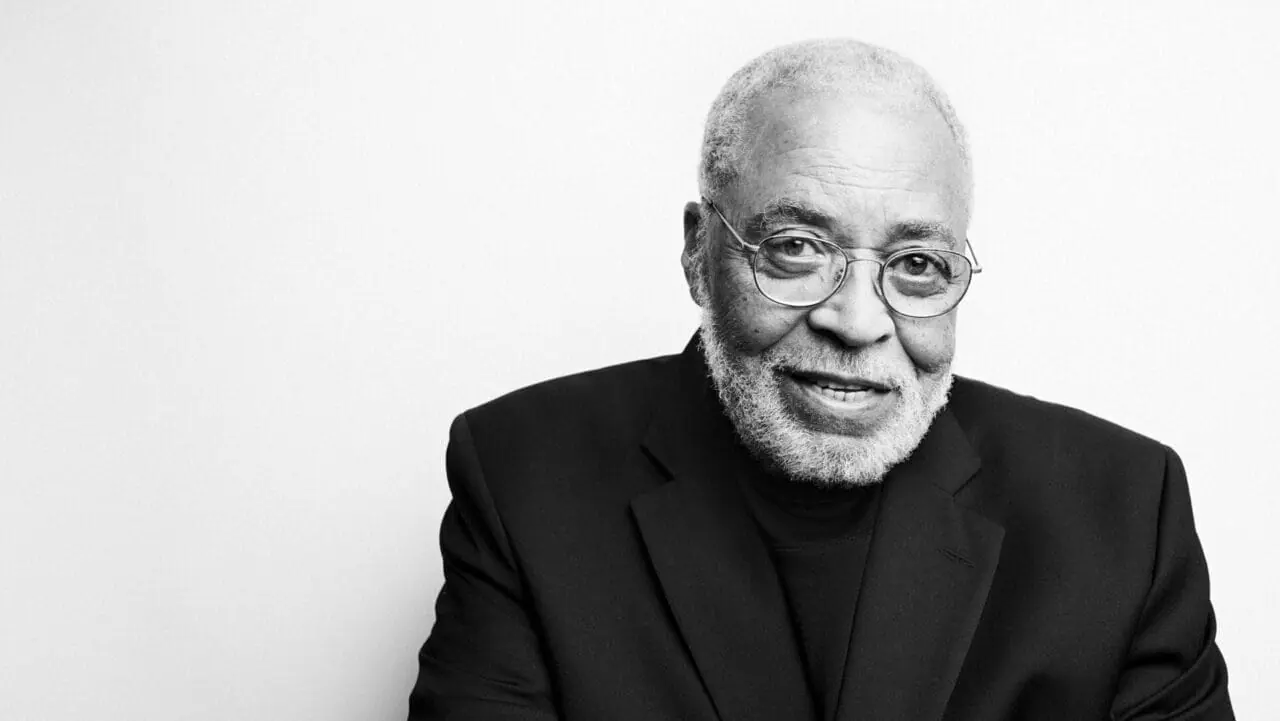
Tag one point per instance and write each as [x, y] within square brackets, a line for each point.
[872, 173]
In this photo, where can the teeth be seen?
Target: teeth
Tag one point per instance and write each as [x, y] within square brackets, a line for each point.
[840, 394]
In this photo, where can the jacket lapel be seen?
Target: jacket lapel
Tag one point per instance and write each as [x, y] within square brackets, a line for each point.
[930, 566]
[712, 563]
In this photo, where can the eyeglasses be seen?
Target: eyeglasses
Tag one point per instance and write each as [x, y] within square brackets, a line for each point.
[801, 271]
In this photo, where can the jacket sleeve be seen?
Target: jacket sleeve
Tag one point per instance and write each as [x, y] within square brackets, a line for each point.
[1174, 669]
[482, 659]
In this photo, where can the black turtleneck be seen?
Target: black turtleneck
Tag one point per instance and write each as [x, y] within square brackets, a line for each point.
[819, 538]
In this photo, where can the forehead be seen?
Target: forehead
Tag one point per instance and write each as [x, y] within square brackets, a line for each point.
[861, 158]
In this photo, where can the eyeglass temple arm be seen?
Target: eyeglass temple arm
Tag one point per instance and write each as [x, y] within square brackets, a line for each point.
[977, 264]
[734, 233]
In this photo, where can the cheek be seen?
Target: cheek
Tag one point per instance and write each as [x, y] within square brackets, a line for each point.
[929, 342]
[751, 322]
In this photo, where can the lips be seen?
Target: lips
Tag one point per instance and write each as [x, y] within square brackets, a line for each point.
[835, 402]
[839, 384]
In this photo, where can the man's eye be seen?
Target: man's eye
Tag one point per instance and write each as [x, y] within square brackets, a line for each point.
[791, 246]
[919, 264]
[793, 256]
[922, 266]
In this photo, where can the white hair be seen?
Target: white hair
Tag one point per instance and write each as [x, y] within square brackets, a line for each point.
[839, 65]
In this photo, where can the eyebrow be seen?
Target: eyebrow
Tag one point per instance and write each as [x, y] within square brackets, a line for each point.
[908, 230]
[788, 210]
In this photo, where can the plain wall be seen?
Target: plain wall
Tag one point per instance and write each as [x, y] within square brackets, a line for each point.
[255, 256]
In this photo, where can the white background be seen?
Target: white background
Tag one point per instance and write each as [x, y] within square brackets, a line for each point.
[255, 256]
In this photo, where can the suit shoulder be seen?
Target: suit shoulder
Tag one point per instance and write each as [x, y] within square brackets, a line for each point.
[989, 413]
[600, 396]
[542, 445]
[1048, 465]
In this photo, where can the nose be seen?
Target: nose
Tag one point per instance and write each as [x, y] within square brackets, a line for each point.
[856, 315]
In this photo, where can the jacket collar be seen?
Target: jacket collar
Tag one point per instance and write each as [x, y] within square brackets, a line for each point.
[929, 568]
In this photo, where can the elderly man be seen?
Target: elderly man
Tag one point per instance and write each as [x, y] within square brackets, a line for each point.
[805, 515]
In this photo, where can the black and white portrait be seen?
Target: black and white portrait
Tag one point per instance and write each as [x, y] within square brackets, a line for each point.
[822, 360]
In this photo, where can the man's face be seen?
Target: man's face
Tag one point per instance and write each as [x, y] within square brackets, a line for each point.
[837, 393]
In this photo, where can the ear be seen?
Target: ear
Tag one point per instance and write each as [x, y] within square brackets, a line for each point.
[692, 221]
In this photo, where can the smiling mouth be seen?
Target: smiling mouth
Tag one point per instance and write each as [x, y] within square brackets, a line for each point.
[840, 389]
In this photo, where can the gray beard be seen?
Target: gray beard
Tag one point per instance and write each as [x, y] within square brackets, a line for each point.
[750, 391]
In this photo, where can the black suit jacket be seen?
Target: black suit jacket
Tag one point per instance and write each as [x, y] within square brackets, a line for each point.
[1029, 562]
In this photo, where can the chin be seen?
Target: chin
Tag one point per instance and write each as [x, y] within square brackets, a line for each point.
[810, 440]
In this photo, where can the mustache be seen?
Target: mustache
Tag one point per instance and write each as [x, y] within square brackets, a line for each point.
[861, 364]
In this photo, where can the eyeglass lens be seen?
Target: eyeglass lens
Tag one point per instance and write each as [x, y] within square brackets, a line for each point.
[796, 270]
